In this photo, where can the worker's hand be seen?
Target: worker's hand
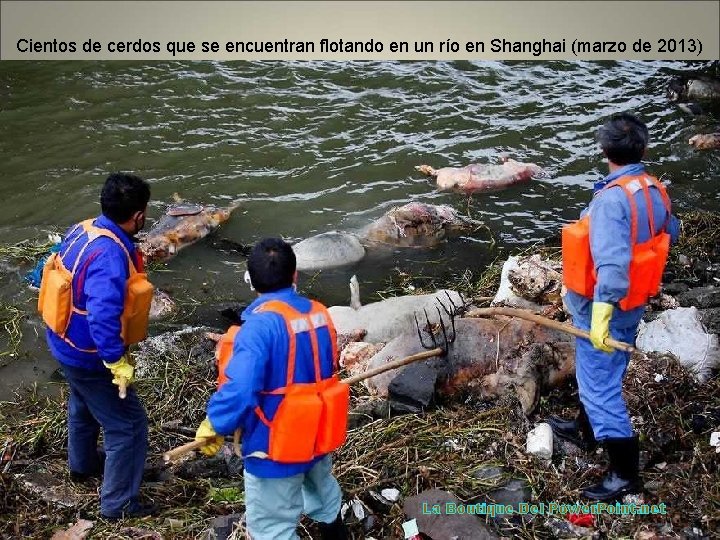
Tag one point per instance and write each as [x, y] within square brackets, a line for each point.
[600, 325]
[213, 441]
[123, 370]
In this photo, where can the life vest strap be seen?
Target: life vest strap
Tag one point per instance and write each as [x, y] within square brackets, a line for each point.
[92, 232]
[649, 206]
[296, 323]
[262, 417]
[625, 182]
[69, 342]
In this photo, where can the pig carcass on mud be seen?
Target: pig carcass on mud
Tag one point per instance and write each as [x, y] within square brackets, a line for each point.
[487, 358]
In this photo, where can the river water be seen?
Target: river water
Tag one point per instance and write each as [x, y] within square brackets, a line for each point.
[308, 147]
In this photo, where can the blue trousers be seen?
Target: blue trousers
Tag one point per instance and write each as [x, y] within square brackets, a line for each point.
[599, 377]
[94, 404]
[273, 506]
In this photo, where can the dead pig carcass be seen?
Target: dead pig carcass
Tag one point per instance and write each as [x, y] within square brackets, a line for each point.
[488, 358]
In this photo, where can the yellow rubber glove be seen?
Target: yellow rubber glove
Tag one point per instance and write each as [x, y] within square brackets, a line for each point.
[600, 325]
[213, 441]
[122, 369]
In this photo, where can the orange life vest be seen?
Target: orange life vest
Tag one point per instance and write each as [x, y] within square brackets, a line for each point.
[55, 301]
[648, 258]
[224, 351]
[311, 419]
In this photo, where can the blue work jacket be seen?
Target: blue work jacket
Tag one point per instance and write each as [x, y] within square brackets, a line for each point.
[259, 364]
[610, 241]
[99, 286]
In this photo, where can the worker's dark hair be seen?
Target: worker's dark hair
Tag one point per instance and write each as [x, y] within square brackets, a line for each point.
[271, 265]
[623, 139]
[123, 195]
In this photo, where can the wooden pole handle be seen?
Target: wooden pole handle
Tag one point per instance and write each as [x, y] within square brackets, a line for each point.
[394, 365]
[550, 323]
[123, 388]
[180, 451]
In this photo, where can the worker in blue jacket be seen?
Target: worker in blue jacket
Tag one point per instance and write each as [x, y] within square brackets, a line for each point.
[603, 415]
[94, 357]
[276, 494]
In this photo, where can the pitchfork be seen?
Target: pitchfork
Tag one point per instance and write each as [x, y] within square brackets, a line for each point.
[434, 348]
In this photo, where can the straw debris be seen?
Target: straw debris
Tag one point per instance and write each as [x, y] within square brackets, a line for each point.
[450, 447]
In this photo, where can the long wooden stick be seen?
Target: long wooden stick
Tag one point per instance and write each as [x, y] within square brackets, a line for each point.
[123, 388]
[175, 453]
[394, 365]
[195, 445]
[550, 323]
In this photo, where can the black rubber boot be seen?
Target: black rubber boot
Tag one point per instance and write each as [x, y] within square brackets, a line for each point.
[137, 510]
[333, 531]
[623, 477]
[578, 432]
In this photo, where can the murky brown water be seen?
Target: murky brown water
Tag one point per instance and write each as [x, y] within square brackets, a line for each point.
[309, 147]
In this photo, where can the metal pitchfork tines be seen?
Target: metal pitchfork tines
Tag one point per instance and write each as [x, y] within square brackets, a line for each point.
[451, 311]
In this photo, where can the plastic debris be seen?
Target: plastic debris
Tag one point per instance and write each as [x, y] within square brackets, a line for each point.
[715, 441]
[410, 528]
[582, 520]
[540, 441]
[681, 332]
[391, 494]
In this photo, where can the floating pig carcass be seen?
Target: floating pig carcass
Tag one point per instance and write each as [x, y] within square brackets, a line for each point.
[482, 177]
[705, 141]
[415, 224]
[182, 225]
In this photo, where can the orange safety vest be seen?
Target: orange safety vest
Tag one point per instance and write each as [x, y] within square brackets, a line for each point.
[648, 258]
[55, 301]
[224, 351]
[311, 419]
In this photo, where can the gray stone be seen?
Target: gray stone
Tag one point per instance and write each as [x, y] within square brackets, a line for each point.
[222, 527]
[220, 466]
[489, 473]
[701, 297]
[562, 528]
[368, 412]
[444, 526]
[49, 488]
[413, 388]
[512, 493]
[675, 288]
